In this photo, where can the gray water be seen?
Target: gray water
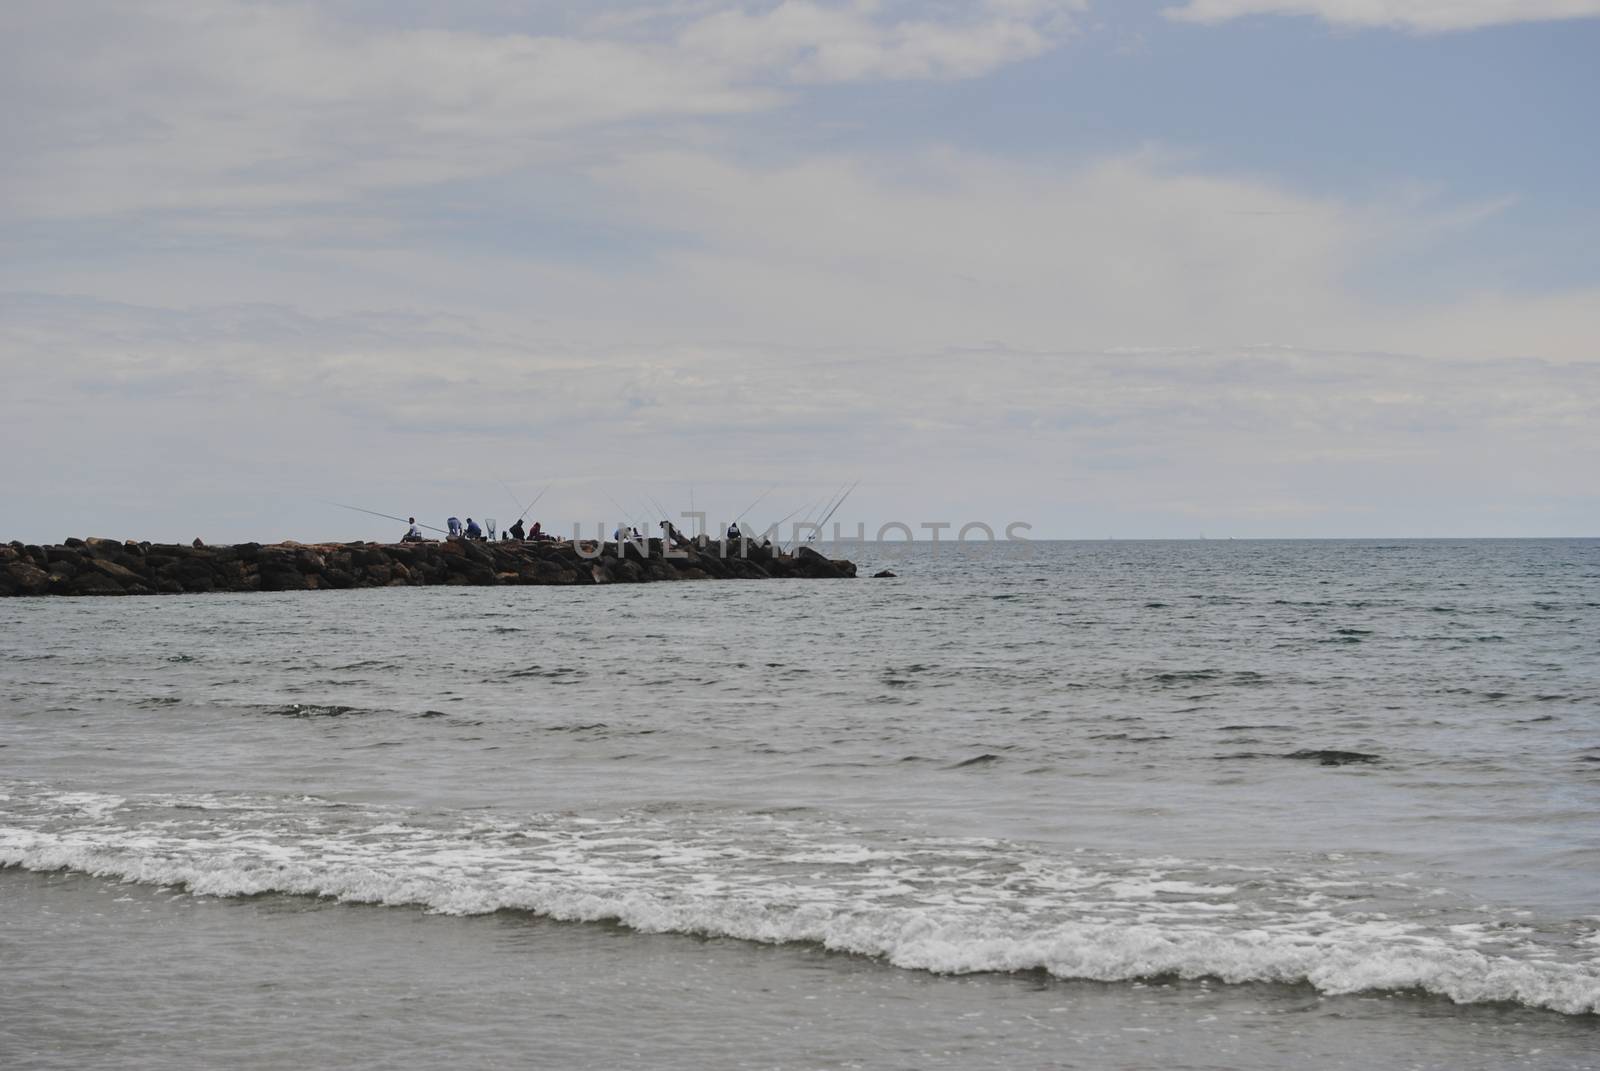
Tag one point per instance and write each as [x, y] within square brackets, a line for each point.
[1219, 804]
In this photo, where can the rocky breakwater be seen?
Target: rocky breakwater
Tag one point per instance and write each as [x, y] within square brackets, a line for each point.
[115, 567]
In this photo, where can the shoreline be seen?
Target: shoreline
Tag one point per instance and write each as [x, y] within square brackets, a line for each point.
[94, 566]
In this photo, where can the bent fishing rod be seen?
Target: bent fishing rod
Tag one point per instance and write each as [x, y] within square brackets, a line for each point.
[385, 516]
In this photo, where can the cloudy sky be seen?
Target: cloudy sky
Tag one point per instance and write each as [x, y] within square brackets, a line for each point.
[1146, 268]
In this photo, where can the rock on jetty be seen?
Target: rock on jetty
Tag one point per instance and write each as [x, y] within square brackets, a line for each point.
[115, 567]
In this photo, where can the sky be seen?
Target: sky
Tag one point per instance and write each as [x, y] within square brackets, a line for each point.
[1150, 269]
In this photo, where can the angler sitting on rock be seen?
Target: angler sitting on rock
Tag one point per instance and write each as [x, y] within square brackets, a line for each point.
[515, 531]
[413, 534]
[473, 531]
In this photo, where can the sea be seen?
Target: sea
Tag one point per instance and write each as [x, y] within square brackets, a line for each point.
[1191, 804]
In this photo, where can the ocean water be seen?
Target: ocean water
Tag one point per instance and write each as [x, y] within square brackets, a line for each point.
[1219, 804]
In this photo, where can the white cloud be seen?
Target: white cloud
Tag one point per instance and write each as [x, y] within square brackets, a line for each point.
[1430, 16]
[245, 416]
[819, 43]
[949, 247]
[175, 105]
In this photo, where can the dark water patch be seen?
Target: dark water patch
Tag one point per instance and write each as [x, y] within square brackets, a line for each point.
[1352, 632]
[505, 628]
[159, 701]
[587, 727]
[1155, 606]
[1249, 728]
[1328, 757]
[1186, 676]
[369, 663]
[1129, 737]
[557, 673]
[1336, 639]
[1531, 721]
[181, 658]
[433, 714]
[978, 760]
[1234, 678]
[1320, 757]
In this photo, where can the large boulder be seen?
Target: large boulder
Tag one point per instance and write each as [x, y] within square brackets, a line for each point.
[24, 578]
[119, 573]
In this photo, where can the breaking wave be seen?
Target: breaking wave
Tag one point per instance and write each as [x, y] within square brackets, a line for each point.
[942, 905]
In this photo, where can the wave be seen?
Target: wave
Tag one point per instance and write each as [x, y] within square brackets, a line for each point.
[950, 906]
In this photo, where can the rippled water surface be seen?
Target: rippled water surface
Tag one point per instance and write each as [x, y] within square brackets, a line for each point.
[1215, 804]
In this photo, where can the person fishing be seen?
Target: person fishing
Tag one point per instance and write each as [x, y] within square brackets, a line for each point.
[454, 524]
[516, 531]
[536, 533]
[670, 533]
[413, 534]
[473, 531]
[733, 531]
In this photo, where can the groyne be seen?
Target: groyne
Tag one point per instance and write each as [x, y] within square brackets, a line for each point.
[118, 567]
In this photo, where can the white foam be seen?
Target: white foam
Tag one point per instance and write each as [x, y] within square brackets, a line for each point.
[937, 905]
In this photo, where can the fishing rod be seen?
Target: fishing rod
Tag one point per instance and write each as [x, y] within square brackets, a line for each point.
[756, 503]
[666, 518]
[626, 518]
[786, 516]
[835, 509]
[806, 517]
[834, 502]
[657, 506]
[532, 504]
[515, 501]
[385, 516]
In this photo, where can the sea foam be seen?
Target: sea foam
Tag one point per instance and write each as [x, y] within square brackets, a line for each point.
[942, 905]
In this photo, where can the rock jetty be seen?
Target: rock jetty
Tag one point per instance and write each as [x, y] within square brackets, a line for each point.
[117, 567]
